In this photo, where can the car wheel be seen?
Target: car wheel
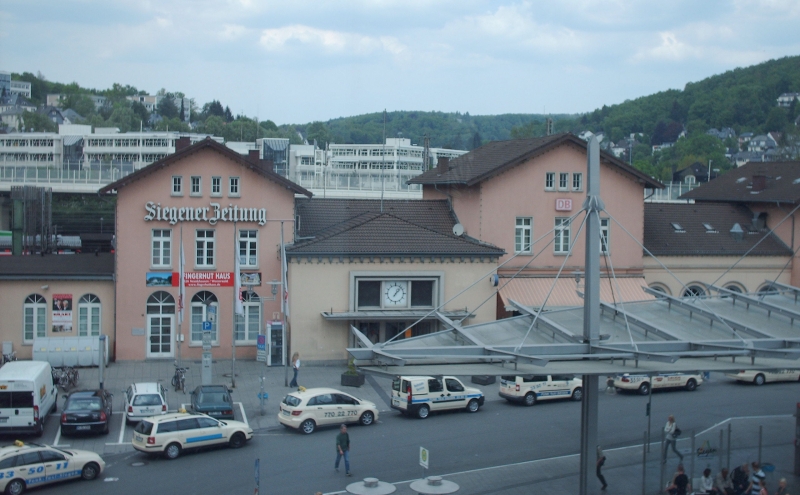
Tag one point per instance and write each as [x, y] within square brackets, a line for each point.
[105, 430]
[759, 379]
[90, 471]
[367, 418]
[308, 426]
[172, 451]
[691, 385]
[473, 406]
[237, 440]
[577, 394]
[15, 487]
[644, 389]
[530, 399]
[39, 429]
[423, 411]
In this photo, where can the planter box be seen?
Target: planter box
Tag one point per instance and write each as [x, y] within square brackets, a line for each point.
[352, 380]
[484, 379]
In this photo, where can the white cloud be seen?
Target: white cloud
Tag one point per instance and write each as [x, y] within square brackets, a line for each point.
[669, 48]
[283, 38]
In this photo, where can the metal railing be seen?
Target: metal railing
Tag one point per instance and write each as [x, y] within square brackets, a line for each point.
[98, 174]
[671, 192]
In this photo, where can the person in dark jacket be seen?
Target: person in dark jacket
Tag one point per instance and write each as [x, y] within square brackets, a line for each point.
[741, 479]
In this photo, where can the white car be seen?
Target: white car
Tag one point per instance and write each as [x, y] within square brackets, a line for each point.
[529, 389]
[307, 409]
[421, 395]
[173, 433]
[143, 400]
[760, 377]
[25, 466]
[642, 383]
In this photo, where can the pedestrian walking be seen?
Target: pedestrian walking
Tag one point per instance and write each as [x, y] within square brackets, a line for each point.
[781, 487]
[601, 459]
[671, 434]
[295, 367]
[757, 479]
[343, 450]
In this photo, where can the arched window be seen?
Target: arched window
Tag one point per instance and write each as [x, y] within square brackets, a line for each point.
[247, 326]
[694, 291]
[661, 288]
[204, 308]
[768, 289]
[89, 316]
[735, 288]
[34, 318]
[160, 316]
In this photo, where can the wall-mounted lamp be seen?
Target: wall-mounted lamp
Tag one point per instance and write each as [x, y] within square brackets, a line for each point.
[275, 287]
[45, 287]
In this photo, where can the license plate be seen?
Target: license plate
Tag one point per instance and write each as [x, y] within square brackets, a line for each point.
[286, 413]
[395, 402]
[139, 438]
[83, 427]
[3, 420]
[147, 410]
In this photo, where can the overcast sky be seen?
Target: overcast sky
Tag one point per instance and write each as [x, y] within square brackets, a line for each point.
[298, 61]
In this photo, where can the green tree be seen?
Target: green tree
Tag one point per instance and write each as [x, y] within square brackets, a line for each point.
[477, 142]
[776, 120]
[37, 122]
[317, 131]
[167, 108]
[174, 125]
[79, 102]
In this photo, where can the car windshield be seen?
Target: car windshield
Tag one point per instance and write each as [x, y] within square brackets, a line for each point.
[147, 400]
[291, 400]
[212, 398]
[92, 404]
[144, 427]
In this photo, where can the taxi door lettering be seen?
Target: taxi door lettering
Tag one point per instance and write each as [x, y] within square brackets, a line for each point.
[32, 470]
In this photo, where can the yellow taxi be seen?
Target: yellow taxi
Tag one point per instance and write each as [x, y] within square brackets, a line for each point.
[30, 465]
[173, 433]
[760, 377]
[304, 410]
[642, 383]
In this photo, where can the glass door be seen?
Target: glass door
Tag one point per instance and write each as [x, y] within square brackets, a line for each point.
[275, 344]
[159, 335]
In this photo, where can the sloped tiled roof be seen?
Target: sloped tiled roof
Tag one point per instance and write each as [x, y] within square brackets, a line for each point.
[317, 214]
[385, 234]
[206, 143]
[495, 157]
[781, 184]
[662, 239]
[58, 267]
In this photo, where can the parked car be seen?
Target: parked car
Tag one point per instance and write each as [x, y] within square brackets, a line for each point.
[642, 383]
[143, 400]
[25, 466]
[307, 409]
[214, 400]
[530, 389]
[86, 411]
[173, 433]
[27, 396]
[421, 395]
[760, 377]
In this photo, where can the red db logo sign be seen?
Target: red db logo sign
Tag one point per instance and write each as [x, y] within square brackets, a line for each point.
[563, 205]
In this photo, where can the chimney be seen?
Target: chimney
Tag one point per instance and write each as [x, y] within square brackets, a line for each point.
[182, 142]
[442, 164]
[253, 155]
[759, 183]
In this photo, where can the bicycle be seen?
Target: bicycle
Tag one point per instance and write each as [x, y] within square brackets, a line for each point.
[7, 358]
[179, 378]
[65, 377]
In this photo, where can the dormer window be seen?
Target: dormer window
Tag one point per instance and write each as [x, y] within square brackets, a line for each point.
[710, 229]
[677, 228]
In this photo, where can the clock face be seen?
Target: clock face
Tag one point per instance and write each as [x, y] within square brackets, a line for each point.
[395, 293]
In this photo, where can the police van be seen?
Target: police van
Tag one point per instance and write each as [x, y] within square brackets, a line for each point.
[420, 395]
[27, 396]
[530, 389]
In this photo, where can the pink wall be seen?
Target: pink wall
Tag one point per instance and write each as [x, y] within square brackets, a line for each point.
[134, 246]
[788, 231]
[488, 211]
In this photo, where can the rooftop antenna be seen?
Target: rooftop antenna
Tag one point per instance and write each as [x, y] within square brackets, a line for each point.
[383, 164]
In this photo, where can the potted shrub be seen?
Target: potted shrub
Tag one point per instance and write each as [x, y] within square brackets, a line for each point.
[352, 377]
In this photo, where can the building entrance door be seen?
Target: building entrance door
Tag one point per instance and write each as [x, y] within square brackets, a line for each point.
[275, 339]
[159, 336]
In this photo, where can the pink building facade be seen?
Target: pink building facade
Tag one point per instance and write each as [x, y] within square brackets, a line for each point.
[214, 206]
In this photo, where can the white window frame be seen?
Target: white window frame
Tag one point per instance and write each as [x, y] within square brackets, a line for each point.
[89, 309]
[523, 235]
[197, 181]
[198, 313]
[550, 181]
[385, 280]
[604, 235]
[203, 245]
[35, 308]
[177, 185]
[562, 233]
[234, 187]
[162, 243]
[249, 323]
[577, 181]
[247, 242]
[216, 186]
[563, 181]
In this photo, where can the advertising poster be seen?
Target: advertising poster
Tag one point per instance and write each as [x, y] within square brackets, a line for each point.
[62, 313]
[191, 279]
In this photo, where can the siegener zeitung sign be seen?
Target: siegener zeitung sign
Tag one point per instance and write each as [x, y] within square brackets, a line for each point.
[211, 214]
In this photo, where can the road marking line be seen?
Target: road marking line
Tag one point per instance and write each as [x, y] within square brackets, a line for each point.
[58, 436]
[244, 416]
[122, 428]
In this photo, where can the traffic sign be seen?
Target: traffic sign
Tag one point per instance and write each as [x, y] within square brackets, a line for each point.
[265, 395]
[423, 457]
[206, 325]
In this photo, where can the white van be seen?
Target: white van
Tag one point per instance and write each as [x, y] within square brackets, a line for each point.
[27, 396]
[419, 395]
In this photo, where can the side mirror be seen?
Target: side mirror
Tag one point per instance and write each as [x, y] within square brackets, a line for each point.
[65, 396]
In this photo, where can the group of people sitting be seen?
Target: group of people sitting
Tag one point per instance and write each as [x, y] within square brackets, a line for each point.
[740, 482]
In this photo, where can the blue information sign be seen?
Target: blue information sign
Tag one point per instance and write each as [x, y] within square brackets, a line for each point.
[261, 343]
[206, 325]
